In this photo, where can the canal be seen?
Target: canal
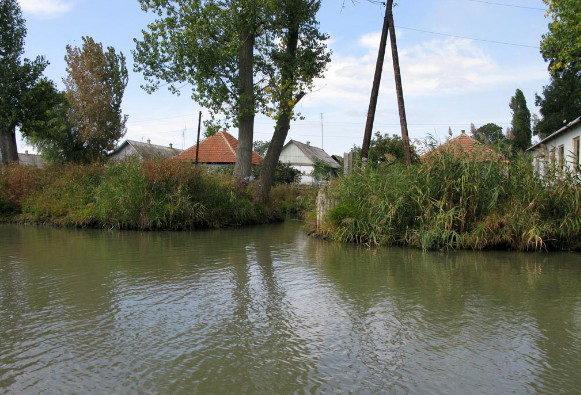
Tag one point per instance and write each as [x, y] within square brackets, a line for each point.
[267, 309]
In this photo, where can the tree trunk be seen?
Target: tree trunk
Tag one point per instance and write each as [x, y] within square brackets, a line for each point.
[8, 148]
[286, 105]
[398, 86]
[268, 168]
[375, 88]
[242, 168]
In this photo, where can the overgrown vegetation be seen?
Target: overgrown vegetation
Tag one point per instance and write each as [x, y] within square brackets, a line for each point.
[452, 202]
[152, 195]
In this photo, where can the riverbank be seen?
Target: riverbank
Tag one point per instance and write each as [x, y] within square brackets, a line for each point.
[450, 202]
[151, 195]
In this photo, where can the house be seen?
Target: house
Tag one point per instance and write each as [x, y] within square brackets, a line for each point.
[142, 151]
[217, 150]
[560, 149]
[303, 157]
[465, 145]
[26, 159]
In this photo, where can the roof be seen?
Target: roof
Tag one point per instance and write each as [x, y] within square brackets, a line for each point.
[315, 154]
[466, 145]
[219, 148]
[147, 150]
[557, 133]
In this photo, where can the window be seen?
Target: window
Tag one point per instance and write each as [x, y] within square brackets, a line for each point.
[576, 147]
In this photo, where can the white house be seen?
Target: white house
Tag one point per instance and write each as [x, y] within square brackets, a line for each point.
[303, 157]
[560, 149]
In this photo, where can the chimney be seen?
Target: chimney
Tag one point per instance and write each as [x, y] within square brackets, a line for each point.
[26, 152]
[463, 132]
[170, 145]
[308, 143]
[148, 141]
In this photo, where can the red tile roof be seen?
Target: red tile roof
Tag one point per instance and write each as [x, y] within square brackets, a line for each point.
[466, 145]
[220, 148]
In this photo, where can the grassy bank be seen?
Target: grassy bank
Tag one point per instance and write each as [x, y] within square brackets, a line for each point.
[453, 202]
[151, 195]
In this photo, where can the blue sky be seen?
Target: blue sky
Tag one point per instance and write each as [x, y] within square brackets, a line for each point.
[448, 81]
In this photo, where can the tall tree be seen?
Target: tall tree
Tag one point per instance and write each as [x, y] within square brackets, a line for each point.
[560, 102]
[521, 121]
[211, 45]
[561, 46]
[94, 90]
[17, 76]
[292, 65]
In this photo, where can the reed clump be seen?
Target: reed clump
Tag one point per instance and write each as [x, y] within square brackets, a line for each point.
[151, 195]
[453, 202]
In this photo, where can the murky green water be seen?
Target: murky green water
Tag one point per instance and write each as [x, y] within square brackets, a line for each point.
[269, 310]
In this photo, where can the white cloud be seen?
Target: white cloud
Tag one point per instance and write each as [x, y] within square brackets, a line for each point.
[47, 8]
[440, 67]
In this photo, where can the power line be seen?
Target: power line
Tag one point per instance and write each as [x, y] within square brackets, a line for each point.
[508, 5]
[468, 38]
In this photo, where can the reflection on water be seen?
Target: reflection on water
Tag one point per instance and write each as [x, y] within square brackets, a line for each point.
[267, 309]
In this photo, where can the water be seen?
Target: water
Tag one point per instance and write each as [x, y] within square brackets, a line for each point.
[269, 310]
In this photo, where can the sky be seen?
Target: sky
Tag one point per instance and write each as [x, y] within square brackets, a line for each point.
[461, 62]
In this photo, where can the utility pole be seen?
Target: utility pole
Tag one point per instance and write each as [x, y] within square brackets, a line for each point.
[198, 140]
[375, 88]
[398, 86]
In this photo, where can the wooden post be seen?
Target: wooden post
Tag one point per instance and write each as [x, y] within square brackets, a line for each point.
[198, 140]
[375, 87]
[324, 204]
[398, 85]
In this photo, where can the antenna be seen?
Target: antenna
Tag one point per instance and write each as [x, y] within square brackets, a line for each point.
[321, 130]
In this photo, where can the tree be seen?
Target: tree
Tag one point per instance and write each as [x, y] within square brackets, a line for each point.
[560, 102]
[521, 121]
[490, 133]
[94, 86]
[211, 45]
[46, 126]
[17, 76]
[300, 56]
[561, 46]
[387, 149]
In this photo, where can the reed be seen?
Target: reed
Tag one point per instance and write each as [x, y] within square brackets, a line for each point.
[453, 202]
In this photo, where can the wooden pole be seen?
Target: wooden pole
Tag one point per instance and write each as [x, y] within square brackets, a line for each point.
[398, 85]
[375, 88]
[198, 140]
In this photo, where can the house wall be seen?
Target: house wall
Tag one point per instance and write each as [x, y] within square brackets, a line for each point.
[562, 151]
[296, 158]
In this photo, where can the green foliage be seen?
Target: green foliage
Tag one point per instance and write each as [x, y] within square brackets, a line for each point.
[260, 147]
[521, 122]
[17, 76]
[165, 194]
[94, 91]
[385, 149]
[322, 171]
[562, 45]
[490, 133]
[453, 202]
[560, 102]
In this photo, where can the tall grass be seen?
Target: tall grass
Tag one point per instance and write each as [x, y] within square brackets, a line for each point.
[455, 202]
[128, 195]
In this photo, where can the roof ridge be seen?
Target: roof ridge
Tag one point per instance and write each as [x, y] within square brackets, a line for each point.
[227, 142]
